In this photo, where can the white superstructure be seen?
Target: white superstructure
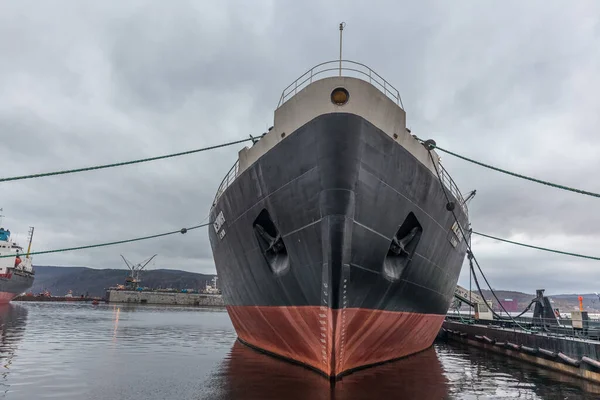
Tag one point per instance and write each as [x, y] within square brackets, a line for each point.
[12, 255]
[368, 95]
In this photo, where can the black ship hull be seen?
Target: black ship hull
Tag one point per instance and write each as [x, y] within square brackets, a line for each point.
[13, 283]
[335, 249]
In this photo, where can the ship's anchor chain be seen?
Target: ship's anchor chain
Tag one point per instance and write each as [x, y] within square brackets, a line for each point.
[430, 145]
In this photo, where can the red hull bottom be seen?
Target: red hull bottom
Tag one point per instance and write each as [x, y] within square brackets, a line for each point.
[6, 297]
[334, 341]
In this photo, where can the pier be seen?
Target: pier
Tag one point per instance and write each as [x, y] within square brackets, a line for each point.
[172, 298]
[568, 345]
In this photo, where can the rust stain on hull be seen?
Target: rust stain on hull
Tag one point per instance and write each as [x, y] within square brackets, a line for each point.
[334, 341]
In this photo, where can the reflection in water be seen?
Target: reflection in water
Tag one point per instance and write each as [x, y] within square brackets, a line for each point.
[473, 372]
[116, 312]
[248, 374]
[103, 352]
[441, 372]
[13, 319]
[106, 352]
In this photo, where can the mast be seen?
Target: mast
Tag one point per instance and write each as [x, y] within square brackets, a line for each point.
[342, 25]
[30, 234]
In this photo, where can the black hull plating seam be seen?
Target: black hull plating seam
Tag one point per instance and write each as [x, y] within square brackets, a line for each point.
[298, 177]
[416, 205]
[365, 226]
[442, 270]
[416, 254]
[299, 229]
[372, 230]
[266, 197]
[355, 222]
[433, 175]
[423, 287]
[324, 186]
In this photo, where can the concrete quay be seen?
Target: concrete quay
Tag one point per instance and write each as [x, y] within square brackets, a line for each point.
[172, 298]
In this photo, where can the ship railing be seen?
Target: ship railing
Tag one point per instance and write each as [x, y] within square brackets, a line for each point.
[229, 178]
[452, 187]
[341, 68]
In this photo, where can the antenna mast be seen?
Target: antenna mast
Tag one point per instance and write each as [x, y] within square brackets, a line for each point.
[1, 216]
[342, 25]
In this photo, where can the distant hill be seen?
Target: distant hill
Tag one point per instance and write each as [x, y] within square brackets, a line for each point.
[521, 298]
[82, 280]
[564, 302]
[94, 282]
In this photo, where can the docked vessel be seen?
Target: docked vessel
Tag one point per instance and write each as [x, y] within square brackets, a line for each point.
[332, 236]
[16, 269]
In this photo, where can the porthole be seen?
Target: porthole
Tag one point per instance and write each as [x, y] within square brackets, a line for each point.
[339, 96]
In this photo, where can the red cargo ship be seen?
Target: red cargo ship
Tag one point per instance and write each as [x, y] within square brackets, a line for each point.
[16, 270]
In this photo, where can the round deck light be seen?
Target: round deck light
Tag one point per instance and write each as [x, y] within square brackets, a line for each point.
[339, 96]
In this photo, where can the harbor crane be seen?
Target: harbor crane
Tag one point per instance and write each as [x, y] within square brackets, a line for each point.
[133, 280]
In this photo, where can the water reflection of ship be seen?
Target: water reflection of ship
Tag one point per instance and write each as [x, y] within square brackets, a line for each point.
[13, 319]
[522, 380]
[248, 374]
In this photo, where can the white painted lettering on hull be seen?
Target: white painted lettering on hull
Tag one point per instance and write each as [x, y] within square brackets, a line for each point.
[218, 224]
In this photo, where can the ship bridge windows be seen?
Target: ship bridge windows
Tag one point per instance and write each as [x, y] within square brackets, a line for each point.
[271, 243]
[402, 248]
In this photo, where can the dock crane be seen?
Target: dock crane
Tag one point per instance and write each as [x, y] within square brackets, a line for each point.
[133, 280]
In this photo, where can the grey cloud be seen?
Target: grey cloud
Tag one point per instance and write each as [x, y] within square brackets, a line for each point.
[514, 85]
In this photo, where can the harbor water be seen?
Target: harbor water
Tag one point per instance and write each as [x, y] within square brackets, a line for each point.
[81, 351]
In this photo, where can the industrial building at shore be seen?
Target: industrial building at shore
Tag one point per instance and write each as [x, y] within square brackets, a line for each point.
[132, 291]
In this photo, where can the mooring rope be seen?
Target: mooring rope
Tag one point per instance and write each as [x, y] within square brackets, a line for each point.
[504, 171]
[120, 164]
[91, 246]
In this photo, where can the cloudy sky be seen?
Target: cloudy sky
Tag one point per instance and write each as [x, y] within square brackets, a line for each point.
[84, 83]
